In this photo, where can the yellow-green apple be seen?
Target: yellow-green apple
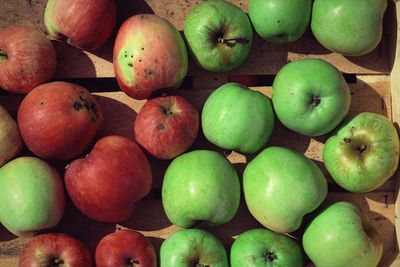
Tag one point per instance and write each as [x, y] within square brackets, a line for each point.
[341, 236]
[106, 184]
[281, 186]
[27, 59]
[310, 96]
[219, 35]
[363, 153]
[192, 247]
[10, 138]
[58, 120]
[149, 54]
[351, 28]
[200, 185]
[280, 21]
[85, 24]
[262, 247]
[55, 249]
[237, 118]
[125, 248]
[166, 126]
[31, 196]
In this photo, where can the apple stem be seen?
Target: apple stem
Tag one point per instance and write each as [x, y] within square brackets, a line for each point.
[3, 56]
[233, 41]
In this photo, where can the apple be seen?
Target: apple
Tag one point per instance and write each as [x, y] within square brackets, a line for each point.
[58, 120]
[310, 96]
[55, 249]
[200, 185]
[281, 186]
[192, 247]
[363, 153]
[149, 54]
[125, 248]
[351, 28]
[280, 21]
[219, 35]
[84, 24]
[166, 126]
[237, 118]
[342, 235]
[27, 59]
[10, 138]
[262, 247]
[107, 183]
[31, 196]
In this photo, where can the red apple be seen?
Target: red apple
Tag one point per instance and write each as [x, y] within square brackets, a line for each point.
[125, 248]
[85, 24]
[166, 126]
[58, 120]
[149, 54]
[27, 59]
[107, 183]
[55, 249]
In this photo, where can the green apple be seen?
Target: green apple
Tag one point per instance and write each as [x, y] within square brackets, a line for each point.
[237, 118]
[262, 247]
[363, 153]
[281, 186]
[192, 248]
[219, 35]
[200, 185]
[351, 28]
[342, 236]
[10, 138]
[31, 196]
[310, 96]
[280, 21]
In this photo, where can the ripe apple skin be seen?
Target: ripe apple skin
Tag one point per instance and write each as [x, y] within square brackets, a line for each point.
[55, 249]
[262, 247]
[10, 138]
[200, 185]
[342, 235]
[310, 96]
[280, 21]
[31, 196]
[166, 126]
[149, 54]
[363, 153]
[219, 35]
[281, 186]
[85, 24]
[237, 118]
[58, 120]
[125, 248]
[351, 28]
[27, 59]
[192, 247]
[107, 183]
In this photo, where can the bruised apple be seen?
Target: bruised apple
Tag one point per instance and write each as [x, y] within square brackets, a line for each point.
[107, 183]
[10, 138]
[58, 120]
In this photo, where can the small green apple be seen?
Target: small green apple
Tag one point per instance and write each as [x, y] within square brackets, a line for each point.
[10, 138]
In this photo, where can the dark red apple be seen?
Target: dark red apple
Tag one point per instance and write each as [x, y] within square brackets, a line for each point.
[107, 183]
[27, 59]
[58, 120]
[125, 248]
[55, 249]
[85, 24]
[166, 126]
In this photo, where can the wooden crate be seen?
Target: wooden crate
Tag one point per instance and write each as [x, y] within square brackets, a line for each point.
[374, 80]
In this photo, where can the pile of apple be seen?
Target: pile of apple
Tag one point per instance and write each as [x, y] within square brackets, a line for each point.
[59, 121]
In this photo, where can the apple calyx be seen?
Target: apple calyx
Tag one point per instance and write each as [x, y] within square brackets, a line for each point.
[133, 262]
[269, 256]
[232, 41]
[315, 101]
[201, 265]
[3, 56]
[360, 148]
[57, 262]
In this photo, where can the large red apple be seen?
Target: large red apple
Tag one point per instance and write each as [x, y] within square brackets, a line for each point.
[55, 249]
[149, 54]
[85, 24]
[107, 183]
[125, 248]
[166, 126]
[27, 59]
[58, 120]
